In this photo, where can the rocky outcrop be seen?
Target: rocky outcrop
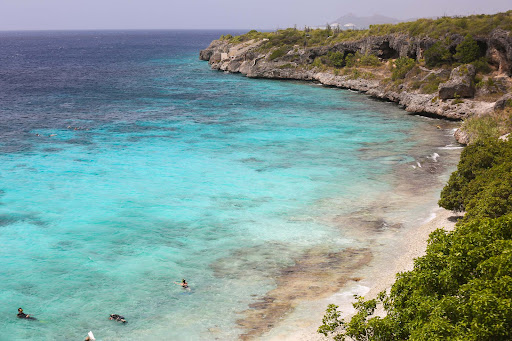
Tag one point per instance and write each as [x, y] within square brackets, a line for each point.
[460, 84]
[247, 59]
[503, 102]
[499, 51]
[461, 136]
[497, 46]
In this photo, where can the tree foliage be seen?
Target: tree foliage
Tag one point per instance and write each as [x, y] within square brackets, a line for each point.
[468, 50]
[482, 166]
[401, 67]
[475, 25]
[462, 288]
[438, 54]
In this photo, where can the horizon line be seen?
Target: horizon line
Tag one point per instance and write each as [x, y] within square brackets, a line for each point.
[131, 29]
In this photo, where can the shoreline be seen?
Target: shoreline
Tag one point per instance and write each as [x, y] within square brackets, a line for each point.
[389, 252]
[388, 232]
[299, 318]
[246, 58]
[414, 240]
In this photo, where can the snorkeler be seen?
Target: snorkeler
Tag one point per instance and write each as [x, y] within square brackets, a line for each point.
[183, 283]
[117, 317]
[22, 315]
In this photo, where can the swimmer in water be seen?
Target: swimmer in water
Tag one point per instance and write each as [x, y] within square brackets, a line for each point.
[117, 317]
[183, 283]
[22, 315]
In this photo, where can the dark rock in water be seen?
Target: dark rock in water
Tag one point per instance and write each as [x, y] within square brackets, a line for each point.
[460, 83]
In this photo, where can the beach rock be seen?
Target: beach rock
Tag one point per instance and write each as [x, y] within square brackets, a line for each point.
[461, 136]
[503, 102]
[460, 83]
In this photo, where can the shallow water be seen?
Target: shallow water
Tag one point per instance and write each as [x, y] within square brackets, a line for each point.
[126, 164]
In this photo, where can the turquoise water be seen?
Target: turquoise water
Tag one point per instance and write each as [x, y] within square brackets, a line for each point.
[174, 171]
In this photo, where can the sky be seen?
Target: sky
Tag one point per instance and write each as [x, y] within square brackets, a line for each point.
[219, 14]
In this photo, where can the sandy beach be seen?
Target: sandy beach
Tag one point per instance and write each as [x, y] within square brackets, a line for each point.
[377, 276]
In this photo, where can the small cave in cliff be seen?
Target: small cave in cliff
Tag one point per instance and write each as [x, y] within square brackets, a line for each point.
[412, 54]
[347, 52]
[482, 45]
[387, 52]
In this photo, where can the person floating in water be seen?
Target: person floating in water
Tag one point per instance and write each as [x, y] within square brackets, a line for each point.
[22, 315]
[117, 317]
[183, 283]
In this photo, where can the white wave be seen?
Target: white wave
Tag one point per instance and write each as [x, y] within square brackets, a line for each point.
[430, 217]
[434, 157]
[450, 146]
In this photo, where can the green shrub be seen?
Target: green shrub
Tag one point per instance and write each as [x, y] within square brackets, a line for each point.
[431, 84]
[355, 74]
[489, 126]
[336, 59]
[350, 60]
[401, 66]
[438, 54]
[226, 37]
[467, 51]
[462, 288]
[476, 159]
[277, 53]
[369, 60]
[416, 85]
[317, 62]
[475, 25]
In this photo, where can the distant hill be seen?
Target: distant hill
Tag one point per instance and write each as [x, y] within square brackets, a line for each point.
[364, 22]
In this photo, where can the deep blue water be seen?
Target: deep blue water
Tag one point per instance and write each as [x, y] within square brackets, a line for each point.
[127, 164]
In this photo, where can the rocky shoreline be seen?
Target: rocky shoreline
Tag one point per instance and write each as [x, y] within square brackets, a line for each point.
[249, 59]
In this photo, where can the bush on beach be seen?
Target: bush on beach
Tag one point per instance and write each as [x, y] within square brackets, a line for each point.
[462, 288]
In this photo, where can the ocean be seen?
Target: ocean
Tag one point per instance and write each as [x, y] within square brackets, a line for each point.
[126, 164]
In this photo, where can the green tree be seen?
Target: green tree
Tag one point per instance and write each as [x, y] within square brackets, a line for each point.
[401, 66]
[350, 60]
[336, 59]
[467, 51]
[438, 54]
[481, 163]
[462, 288]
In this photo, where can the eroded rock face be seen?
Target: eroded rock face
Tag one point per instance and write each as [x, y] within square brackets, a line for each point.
[460, 83]
[499, 50]
[461, 136]
[497, 46]
[503, 102]
[249, 60]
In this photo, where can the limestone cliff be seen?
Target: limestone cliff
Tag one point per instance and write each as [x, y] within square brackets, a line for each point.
[450, 93]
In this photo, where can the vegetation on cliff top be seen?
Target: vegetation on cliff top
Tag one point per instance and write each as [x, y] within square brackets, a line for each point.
[289, 47]
[462, 288]
[475, 25]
